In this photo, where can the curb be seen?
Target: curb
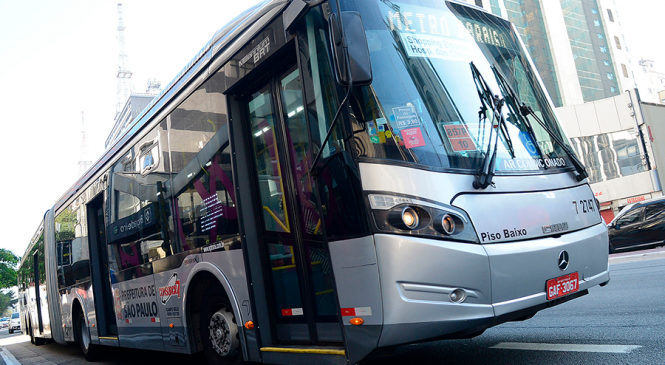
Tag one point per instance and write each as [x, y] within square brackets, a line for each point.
[8, 357]
[637, 257]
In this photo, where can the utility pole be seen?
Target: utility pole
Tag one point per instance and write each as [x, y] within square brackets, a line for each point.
[84, 163]
[124, 74]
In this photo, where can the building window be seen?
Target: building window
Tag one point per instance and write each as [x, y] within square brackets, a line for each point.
[606, 62]
[600, 36]
[625, 70]
[610, 76]
[479, 3]
[613, 89]
[603, 49]
[616, 40]
[595, 11]
[609, 15]
[596, 23]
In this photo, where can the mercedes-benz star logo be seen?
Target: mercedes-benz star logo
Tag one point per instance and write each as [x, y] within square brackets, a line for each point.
[564, 260]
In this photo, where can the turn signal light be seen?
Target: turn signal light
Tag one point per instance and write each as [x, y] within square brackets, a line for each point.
[249, 325]
[356, 321]
[171, 325]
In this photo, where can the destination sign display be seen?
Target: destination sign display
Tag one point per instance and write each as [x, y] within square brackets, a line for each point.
[439, 33]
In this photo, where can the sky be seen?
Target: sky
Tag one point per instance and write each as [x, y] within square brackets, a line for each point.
[642, 22]
[60, 58]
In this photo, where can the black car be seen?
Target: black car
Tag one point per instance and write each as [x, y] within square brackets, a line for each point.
[638, 225]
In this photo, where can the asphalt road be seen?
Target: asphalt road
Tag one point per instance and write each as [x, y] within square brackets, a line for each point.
[621, 323]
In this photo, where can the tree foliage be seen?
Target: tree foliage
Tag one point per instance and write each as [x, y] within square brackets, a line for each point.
[7, 300]
[8, 263]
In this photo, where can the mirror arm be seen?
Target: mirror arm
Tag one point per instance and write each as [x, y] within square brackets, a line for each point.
[297, 10]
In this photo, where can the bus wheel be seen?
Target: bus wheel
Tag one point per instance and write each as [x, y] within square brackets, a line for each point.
[89, 350]
[219, 332]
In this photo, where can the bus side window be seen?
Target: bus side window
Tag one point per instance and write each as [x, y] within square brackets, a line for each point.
[123, 233]
[154, 182]
[205, 212]
[72, 242]
[206, 205]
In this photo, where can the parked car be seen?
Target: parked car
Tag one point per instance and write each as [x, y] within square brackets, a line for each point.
[638, 225]
[15, 322]
[4, 322]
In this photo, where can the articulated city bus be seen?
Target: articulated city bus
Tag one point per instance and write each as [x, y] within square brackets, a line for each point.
[324, 181]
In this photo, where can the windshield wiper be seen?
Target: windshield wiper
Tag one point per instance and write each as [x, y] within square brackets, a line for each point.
[525, 111]
[483, 177]
[515, 110]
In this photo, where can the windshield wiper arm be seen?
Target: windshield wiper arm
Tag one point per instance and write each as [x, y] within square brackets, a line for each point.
[525, 111]
[514, 106]
[485, 174]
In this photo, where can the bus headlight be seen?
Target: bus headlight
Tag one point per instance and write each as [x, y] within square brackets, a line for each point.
[408, 218]
[448, 224]
[420, 217]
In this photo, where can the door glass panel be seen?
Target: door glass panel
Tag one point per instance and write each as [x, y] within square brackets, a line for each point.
[318, 259]
[271, 185]
[280, 243]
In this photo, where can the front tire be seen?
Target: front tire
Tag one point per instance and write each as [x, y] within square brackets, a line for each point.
[89, 350]
[219, 332]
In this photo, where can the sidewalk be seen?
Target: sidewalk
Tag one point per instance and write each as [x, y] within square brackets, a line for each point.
[18, 350]
[634, 256]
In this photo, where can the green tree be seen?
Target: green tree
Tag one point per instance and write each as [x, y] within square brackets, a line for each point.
[7, 300]
[8, 263]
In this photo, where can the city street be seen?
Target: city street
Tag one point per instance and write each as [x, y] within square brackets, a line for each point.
[621, 323]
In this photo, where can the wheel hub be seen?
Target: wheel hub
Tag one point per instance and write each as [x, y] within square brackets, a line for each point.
[220, 335]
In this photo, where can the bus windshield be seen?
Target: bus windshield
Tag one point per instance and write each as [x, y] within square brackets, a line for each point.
[424, 105]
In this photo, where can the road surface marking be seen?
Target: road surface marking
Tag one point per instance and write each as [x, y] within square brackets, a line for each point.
[616, 349]
[8, 357]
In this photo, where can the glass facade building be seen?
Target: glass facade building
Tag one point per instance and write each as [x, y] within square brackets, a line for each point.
[590, 49]
[609, 156]
[528, 18]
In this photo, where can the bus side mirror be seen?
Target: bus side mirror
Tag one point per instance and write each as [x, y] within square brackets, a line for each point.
[358, 51]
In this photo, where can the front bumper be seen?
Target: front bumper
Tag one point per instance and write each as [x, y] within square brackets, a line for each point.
[504, 281]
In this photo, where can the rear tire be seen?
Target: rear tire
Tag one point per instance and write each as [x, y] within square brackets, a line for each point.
[612, 249]
[89, 350]
[11, 331]
[219, 332]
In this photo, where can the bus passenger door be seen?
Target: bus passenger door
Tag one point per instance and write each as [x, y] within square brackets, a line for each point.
[101, 284]
[296, 267]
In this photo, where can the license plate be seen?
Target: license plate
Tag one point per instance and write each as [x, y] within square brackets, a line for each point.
[563, 285]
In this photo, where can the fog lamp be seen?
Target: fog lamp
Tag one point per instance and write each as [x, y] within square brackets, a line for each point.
[457, 296]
